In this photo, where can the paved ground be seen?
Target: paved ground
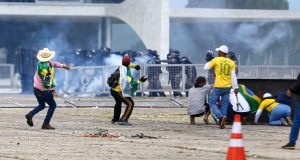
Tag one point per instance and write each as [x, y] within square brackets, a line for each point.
[175, 139]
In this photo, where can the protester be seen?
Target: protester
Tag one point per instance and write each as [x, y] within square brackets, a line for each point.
[44, 86]
[244, 103]
[279, 112]
[294, 91]
[122, 93]
[197, 105]
[225, 80]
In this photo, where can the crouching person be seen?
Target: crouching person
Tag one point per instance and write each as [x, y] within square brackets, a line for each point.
[44, 86]
[123, 91]
[279, 113]
[197, 105]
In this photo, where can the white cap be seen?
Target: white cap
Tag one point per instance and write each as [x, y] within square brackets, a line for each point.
[266, 95]
[223, 49]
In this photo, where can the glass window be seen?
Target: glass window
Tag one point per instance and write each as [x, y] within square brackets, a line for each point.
[238, 4]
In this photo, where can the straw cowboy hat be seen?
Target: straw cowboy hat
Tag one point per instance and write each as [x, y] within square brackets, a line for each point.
[45, 55]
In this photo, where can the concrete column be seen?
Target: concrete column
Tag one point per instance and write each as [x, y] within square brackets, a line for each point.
[149, 19]
[99, 42]
[106, 35]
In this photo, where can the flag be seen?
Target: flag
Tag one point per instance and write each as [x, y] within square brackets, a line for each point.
[250, 97]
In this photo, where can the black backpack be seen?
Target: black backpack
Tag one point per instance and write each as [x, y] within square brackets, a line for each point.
[112, 80]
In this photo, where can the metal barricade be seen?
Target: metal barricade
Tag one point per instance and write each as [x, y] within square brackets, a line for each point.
[89, 80]
[169, 78]
[7, 75]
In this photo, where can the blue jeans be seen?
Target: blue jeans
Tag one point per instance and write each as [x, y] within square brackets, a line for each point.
[214, 97]
[280, 111]
[296, 124]
[42, 98]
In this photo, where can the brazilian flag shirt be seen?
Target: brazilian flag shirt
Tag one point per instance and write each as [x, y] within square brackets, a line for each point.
[44, 76]
[127, 83]
[46, 72]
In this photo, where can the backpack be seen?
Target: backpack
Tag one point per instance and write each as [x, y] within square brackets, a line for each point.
[112, 80]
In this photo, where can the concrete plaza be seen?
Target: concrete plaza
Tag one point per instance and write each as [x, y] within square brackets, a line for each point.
[166, 135]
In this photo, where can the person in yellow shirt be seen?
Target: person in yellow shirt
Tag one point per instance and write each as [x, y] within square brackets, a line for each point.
[226, 79]
[279, 114]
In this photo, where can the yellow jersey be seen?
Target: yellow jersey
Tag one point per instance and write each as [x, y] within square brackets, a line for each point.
[268, 104]
[223, 67]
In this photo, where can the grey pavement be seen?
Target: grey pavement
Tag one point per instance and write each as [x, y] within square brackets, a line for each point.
[174, 137]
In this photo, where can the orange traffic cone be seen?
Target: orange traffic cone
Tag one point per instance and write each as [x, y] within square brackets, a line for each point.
[236, 147]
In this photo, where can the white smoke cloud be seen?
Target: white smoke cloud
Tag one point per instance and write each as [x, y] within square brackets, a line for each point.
[243, 38]
[252, 36]
[113, 60]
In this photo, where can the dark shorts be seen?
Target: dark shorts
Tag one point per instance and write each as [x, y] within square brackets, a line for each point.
[207, 109]
[198, 115]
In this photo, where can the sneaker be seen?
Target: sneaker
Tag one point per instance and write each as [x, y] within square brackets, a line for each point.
[28, 116]
[283, 122]
[222, 121]
[124, 123]
[288, 146]
[113, 122]
[47, 126]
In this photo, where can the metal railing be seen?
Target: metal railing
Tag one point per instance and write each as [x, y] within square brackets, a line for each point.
[91, 80]
[268, 72]
[164, 77]
[86, 80]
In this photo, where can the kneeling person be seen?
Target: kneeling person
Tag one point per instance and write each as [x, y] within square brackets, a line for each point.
[197, 105]
[279, 113]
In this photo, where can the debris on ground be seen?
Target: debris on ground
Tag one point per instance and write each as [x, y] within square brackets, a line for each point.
[141, 135]
[101, 133]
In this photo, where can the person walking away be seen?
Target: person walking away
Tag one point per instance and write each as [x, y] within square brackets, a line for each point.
[294, 91]
[122, 92]
[197, 105]
[44, 86]
[225, 80]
